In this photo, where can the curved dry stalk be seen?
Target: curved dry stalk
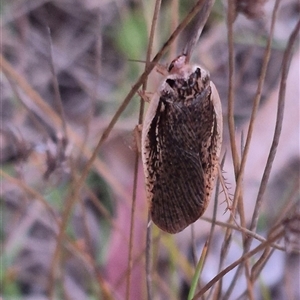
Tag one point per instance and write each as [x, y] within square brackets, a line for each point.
[236, 263]
[202, 19]
[286, 62]
[238, 190]
[290, 206]
[231, 85]
[174, 23]
[140, 121]
[256, 102]
[132, 215]
[214, 217]
[279, 119]
[245, 231]
[261, 262]
[231, 126]
[285, 67]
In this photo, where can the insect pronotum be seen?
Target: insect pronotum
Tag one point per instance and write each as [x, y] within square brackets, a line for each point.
[181, 143]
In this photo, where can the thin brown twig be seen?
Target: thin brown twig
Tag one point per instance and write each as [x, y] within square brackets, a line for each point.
[137, 155]
[231, 15]
[247, 267]
[288, 206]
[238, 190]
[247, 243]
[202, 18]
[236, 263]
[259, 265]
[174, 23]
[231, 126]
[231, 85]
[256, 102]
[214, 217]
[132, 215]
[286, 62]
[261, 262]
[142, 105]
[245, 231]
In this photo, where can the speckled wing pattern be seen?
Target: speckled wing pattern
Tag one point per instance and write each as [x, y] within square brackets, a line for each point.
[181, 142]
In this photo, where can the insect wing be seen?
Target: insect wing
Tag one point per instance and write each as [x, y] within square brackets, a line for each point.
[172, 154]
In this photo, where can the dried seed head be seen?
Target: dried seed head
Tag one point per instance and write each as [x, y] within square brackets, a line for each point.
[181, 142]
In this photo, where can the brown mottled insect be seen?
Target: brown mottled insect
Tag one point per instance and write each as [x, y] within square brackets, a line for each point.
[181, 142]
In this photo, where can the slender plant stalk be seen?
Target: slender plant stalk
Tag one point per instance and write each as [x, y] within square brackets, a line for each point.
[231, 126]
[214, 218]
[133, 205]
[142, 104]
[197, 273]
[280, 112]
[238, 190]
[231, 85]
[236, 263]
[202, 18]
[245, 231]
[287, 57]
[174, 23]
